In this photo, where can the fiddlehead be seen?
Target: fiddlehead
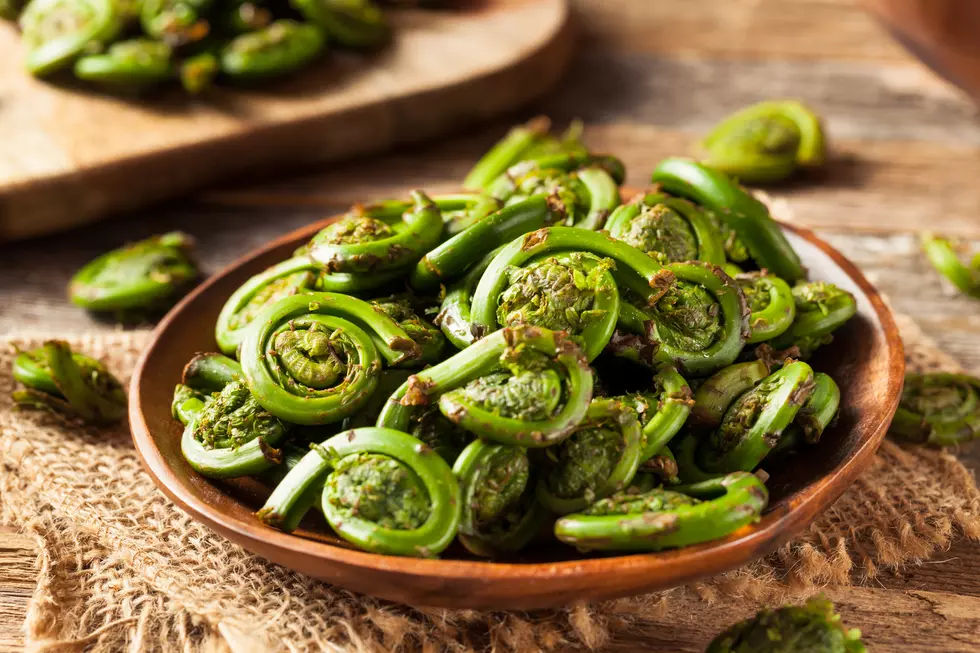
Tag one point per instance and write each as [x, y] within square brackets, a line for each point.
[283, 47]
[522, 386]
[500, 513]
[455, 315]
[816, 414]
[74, 385]
[175, 22]
[382, 490]
[310, 359]
[662, 411]
[944, 257]
[669, 229]
[747, 216]
[197, 72]
[601, 457]
[771, 304]
[766, 142]
[821, 309]
[662, 519]
[814, 627]
[717, 393]
[56, 32]
[426, 335]
[373, 241]
[137, 280]
[357, 24]
[136, 63]
[939, 409]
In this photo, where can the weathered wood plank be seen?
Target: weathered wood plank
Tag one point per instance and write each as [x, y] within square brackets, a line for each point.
[17, 580]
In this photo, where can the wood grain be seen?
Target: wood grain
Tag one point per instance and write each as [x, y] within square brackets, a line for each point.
[69, 155]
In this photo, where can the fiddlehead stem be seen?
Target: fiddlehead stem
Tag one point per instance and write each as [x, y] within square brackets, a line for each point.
[662, 411]
[668, 229]
[357, 24]
[813, 627]
[821, 309]
[308, 362]
[211, 372]
[453, 257]
[426, 335]
[283, 47]
[137, 63]
[766, 142]
[939, 409]
[455, 316]
[601, 457]
[500, 513]
[56, 32]
[137, 280]
[716, 394]
[413, 512]
[361, 242]
[747, 216]
[662, 519]
[73, 385]
[771, 303]
[499, 407]
[944, 257]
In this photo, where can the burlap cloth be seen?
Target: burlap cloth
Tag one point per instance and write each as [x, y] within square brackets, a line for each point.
[120, 568]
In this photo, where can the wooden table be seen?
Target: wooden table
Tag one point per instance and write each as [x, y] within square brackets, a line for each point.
[650, 78]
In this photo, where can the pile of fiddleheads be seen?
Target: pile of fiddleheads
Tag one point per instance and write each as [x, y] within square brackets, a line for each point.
[531, 356]
[132, 46]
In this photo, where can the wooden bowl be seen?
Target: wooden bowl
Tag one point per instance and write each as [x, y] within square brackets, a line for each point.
[866, 359]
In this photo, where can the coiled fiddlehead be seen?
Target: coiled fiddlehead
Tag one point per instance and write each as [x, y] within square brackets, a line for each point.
[747, 216]
[601, 457]
[426, 335]
[358, 24]
[56, 32]
[810, 628]
[662, 519]
[523, 386]
[766, 142]
[137, 280]
[771, 304]
[944, 257]
[309, 360]
[717, 393]
[939, 409]
[70, 384]
[136, 63]
[175, 22]
[500, 513]
[821, 309]
[662, 411]
[816, 414]
[669, 229]
[374, 240]
[283, 47]
[382, 490]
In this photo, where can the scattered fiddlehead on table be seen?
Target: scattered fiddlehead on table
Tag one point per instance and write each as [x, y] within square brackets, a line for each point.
[133, 63]
[56, 32]
[283, 47]
[137, 280]
[74, 385]
[766, 142]
[810, 628]
[940, 409]
[661, 519]
[358, 24]
[944, 257]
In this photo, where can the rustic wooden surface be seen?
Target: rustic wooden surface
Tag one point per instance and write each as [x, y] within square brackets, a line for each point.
[650, 77]
[68, 155]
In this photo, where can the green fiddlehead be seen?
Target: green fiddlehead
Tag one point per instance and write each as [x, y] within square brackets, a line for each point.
[600, 458]
[363, 242]
[57, 32]
[210, 372]
[175, 22]
[283, 47]
[669, 229]
[187, 403]
[821, 309]
[944, 257]
[716, 394]
[747, 216]
[500, 513]
[662, 411]
[766, 142]
[137, 280]
[136, 63]
[357, 24]
[522, 386]
[771, 304]
[662, 519]
[309, 359]
[455, 314]
[814, 417]
[938, 409]
[197, 73]
[77, 386]
[811, 628]
[414, 511]
[426, 335]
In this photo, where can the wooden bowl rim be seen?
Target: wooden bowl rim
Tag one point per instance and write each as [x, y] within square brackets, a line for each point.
[677, 566]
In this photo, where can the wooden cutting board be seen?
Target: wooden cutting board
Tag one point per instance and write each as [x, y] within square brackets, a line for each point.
[69, 156]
